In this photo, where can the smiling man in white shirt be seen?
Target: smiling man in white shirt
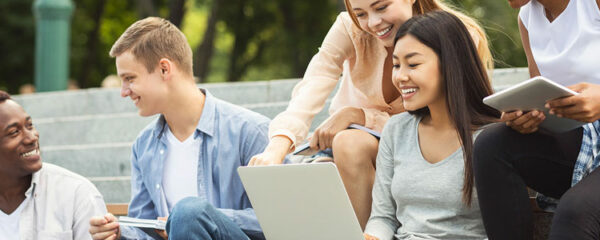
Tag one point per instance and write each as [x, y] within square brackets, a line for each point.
[39, 201]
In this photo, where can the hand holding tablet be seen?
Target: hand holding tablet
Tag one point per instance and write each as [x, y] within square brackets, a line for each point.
[533, 95]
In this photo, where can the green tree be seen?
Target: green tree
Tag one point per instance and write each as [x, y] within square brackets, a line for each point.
[17, 44]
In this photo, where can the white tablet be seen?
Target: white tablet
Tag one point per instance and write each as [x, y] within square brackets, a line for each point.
[532, 95]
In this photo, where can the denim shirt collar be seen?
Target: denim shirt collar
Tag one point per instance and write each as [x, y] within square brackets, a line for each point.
[207, 119]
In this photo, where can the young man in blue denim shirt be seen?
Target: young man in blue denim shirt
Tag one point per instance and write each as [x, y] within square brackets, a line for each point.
[184, 164]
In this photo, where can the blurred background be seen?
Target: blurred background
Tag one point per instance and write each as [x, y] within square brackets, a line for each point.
[232, 40]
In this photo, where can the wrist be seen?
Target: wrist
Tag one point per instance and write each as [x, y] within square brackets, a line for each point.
[279, 146]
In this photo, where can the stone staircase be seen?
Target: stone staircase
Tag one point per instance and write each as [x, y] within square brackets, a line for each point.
[91, 131]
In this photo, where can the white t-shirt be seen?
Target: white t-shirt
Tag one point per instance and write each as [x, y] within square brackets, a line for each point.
[9, 224]
[566, 50]
[180, 176]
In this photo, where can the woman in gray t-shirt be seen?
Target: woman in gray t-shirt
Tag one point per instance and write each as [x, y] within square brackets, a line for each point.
[424, 183]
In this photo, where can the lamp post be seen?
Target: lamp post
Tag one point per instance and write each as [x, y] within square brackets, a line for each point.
[53, 20]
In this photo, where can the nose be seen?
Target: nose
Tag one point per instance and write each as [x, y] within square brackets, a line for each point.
[399, 75]
[125, 91]
[31, 136]
[374, 20]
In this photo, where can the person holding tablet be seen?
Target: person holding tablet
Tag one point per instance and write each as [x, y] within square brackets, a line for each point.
[562, 43]
[424, 181]
[358, 47]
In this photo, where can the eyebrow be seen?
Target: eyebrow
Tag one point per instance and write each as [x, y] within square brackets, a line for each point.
[122, 75]
[395, 57]
[15, 124]
[371, 5]
[412, 54]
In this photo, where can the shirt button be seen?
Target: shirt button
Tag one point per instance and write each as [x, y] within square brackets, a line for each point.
[157, 186]
[162, 151]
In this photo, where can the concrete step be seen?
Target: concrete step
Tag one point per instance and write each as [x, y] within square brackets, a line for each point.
[121, 127]
[95, 160]
[104, 101]
[114, 189]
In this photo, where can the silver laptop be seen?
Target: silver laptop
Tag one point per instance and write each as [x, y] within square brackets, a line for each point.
[301, 201]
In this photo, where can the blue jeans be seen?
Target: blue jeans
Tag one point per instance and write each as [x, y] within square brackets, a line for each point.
[193, 218]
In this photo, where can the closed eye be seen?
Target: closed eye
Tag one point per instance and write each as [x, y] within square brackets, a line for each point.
[381, 8]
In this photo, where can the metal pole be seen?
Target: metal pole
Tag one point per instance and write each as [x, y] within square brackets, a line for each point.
[53, 23]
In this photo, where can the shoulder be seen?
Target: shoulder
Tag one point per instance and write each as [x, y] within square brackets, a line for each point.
[400, 120]
[524, 13]
[398, 125]
[65, 179]
[145, 136]
[232, 114]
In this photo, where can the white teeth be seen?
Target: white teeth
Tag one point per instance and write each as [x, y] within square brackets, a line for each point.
[28, 154]
[381, 33]
[408, 90]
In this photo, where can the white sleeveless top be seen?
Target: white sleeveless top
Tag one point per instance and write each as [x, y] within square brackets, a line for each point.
[566, 50]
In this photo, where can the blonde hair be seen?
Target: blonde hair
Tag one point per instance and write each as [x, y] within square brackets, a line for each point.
[153, 38]
[425, 6]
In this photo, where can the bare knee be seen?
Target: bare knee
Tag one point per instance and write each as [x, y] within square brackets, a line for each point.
[354, 148]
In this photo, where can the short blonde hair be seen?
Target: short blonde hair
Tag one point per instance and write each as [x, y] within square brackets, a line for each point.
[425, 6]
[153, 38]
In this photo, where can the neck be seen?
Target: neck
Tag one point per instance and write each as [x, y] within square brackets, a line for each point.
[439, 117]
[184, 110]
[12, 190]
[554, 7]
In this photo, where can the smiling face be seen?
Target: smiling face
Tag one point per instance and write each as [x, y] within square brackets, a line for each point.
[382, 18]
[416, 74]
[146, 90]
[19, 148]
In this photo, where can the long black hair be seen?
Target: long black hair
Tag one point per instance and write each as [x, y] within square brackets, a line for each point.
[464, 79]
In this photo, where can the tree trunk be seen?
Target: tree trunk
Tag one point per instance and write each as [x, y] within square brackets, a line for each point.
[289, 21]
[176, 11]
[205, 50]
[91, 59]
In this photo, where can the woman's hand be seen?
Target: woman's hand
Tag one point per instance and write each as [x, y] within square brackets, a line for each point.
[523, 123]
[584, 107]
[322, 138]
[274, 153]
[369, 237]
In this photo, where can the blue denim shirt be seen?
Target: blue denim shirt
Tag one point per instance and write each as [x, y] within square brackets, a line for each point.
[230, 135]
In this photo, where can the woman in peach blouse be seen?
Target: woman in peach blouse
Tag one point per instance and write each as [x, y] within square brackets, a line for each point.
[358, 47]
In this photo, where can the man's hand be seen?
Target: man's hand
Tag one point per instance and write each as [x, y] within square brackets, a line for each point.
[369, 237]
[523, 123]
[278, 147]
[584, 107]
[162, 233]
[105, 227]
[322, 138]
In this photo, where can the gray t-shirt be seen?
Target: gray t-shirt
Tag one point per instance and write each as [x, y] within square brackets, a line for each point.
[415, 199]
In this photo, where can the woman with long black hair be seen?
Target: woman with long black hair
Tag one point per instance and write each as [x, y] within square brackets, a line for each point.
[424, 180]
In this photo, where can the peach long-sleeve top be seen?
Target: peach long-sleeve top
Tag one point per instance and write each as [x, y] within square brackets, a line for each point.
[359, 58]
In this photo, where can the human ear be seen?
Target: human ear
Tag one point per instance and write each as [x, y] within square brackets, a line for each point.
[165, 67]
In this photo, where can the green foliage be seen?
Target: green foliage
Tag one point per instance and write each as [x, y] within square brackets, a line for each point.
[500, 24]
[255, 39]
[17, 44]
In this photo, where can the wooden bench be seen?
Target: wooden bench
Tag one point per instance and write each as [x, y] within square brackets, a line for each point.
[117, 209]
